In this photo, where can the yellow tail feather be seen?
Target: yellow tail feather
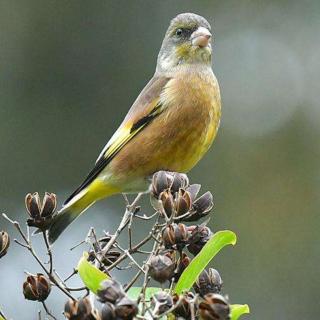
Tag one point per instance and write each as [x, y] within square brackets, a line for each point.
[77, 205]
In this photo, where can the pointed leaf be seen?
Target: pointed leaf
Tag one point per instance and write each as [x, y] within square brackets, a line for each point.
[237, 310]
[89, 274]
[219, 240]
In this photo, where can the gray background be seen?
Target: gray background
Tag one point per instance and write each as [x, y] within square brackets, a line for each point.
[69, 71]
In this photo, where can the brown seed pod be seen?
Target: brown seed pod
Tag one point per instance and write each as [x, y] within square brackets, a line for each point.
[175, 236]
[161, 268]
[161, 181]
[201, 207]
[126, 309]
[110, 291]
[108, 312]
[208, 282]
[199, 236]
[36, 287]
[40, 212]
[180, 181]
[184, 305]
[214, 307]
[80, 310]
[167, 200]
[4, 243]
[161, 302]
[183, 202]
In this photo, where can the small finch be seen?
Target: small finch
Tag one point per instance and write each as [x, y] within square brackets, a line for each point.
[170, 126]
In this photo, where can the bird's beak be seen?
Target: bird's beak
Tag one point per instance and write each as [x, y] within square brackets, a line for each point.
[201, 37]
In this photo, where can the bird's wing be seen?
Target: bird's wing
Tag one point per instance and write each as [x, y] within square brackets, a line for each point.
[146, 107]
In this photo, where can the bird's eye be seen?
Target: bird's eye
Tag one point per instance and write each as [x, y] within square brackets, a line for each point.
[179, 32]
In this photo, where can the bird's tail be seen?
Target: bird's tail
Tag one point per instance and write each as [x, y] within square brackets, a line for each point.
[69, 213]
[76, 206]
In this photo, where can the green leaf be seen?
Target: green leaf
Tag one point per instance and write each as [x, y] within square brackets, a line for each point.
[134, 292]
[219, 240]
[237, 310]
[89, 274]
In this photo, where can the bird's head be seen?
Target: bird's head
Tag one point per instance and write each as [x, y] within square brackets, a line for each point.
[187, 41]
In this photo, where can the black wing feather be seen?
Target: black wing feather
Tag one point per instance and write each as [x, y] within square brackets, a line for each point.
[103, 162]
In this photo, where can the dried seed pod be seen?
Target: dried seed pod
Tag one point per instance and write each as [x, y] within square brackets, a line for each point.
[167, 201]
[182, 264]
[109, 257]
[200, 207]
[180, 181]
[193, 190]
[108, 312]
[36, 287]
[175, 236]
[208, 282]
[182, 202]
[199, 236]
[161, 268]
[4, 243]
[214, 307]
[40, 213]
[126, 309]
[80, 310]
[110, 291]
[161, 181]
[161, 302]
[183, 305]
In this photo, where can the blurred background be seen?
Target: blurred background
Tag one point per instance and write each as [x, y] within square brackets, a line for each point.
[69, 71]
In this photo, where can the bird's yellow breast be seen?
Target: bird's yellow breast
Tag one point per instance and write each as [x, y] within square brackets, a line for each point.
[179, 137]
[193, 118]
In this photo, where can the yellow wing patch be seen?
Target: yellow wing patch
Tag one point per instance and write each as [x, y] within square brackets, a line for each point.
[128, 130]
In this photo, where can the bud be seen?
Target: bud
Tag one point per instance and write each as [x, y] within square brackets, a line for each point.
[161, 302]
[126, 309]
[175, 235]
[161, 181]
[183, 305]
[214, 307]
[200, 235]
[182, 202]
[36, 287]
[108, 312]
[180, 181]
[4, 243]
[161, 268]
[183, 262]
[110, 291]
[80, 310]
[40, 213]
[208, 282]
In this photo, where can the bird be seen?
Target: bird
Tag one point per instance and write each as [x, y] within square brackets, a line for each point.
[170, 126]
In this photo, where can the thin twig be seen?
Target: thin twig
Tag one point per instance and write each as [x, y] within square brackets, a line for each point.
[133, 250]
[133, 280]
[124, 222]
[46, 241]
[48, 312]
[28, 246]
[75, 271]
